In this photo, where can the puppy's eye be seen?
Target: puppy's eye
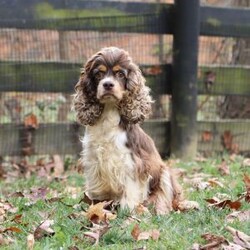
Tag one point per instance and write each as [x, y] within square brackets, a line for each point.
[120, 75]
[99, 75]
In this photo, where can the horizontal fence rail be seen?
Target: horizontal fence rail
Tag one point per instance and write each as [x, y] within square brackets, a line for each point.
[48, 76]
[62, 77]
[47, 138]
[67, 15]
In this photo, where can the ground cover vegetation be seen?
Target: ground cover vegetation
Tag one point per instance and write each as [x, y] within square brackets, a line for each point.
[42, 206]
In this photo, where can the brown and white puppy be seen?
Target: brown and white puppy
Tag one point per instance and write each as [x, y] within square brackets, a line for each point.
[120, 160]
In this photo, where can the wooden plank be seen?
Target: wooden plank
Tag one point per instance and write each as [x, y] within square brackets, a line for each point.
[63, 138]
[61, 77]
[226, 22]
[41, 9]
[87, 15]
[239, 129]
[76, 15]
[229, 80]
[145, 23]
[38, 77]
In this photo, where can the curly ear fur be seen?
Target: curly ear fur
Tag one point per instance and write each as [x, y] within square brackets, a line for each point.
[87, 106]
[136, 104]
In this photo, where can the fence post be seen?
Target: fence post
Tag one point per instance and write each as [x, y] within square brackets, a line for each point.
[184, 85]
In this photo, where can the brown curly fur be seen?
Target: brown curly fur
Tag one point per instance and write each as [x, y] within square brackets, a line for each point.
[120, 160]
[135, 105]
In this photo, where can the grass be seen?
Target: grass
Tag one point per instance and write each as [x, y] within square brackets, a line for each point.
[178, 230]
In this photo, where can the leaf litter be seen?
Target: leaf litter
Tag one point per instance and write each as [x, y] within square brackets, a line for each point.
[101, 214]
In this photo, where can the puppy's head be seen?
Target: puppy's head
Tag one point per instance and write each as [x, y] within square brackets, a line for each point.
[109, 71]
[110, 76]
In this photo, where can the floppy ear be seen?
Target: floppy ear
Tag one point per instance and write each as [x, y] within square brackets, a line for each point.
[85, 103]
[136, 103]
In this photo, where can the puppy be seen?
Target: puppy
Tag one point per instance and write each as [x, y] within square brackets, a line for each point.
[120, 160]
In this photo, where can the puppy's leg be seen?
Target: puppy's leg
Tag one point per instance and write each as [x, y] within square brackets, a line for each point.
[168, 193]
[135, 192]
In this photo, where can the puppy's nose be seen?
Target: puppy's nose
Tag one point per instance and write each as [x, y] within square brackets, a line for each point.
[108, 85]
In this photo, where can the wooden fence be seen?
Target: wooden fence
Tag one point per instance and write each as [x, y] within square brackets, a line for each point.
[63, 138]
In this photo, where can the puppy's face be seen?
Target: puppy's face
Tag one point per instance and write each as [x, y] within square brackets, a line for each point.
[111, 82]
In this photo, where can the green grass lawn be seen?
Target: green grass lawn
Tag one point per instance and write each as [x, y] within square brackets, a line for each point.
[40, 197]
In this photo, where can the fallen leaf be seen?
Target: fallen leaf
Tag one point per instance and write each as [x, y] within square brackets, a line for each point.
[17, 218]
[227, 142]
[214, 202]
[195, 246]
[96, 232]
[5, 240]
[213, 241]
[135, 231]
[232, 246]
[5, 207]
[138, 235]
[86, 199]
[30, 241]
[224, 168]
[96, 213]
[30, 121]
[207, 136]
[140, 209]
[59, 165]
[239, 237]
[12, 229]
[44, 230]
[214, 183]
[17, 194]
[188, 205]
[37, 194]
[246, 162]
[239, 215]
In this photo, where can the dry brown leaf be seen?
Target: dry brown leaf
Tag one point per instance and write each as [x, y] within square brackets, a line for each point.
[5, 207]
[239, 215]
[5, 240]
[212, 241]
[232, 246]
[138, 235]
[30, 241]
[188, 205]
[207, 136]
[239, 237]
[213, 182]
[135, 231]
[44, 229]
[30, 121]
[96, 232]
[12, 229]
[155, 234]
[96, 213]
[214, 202]
[246, 162]
[227, 142]
[224, 168]
[140, 209]
[59, 165]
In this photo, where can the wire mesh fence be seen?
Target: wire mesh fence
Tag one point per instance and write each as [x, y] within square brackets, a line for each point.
[40, 66]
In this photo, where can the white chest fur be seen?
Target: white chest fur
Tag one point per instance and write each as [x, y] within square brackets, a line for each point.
[108, 163]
